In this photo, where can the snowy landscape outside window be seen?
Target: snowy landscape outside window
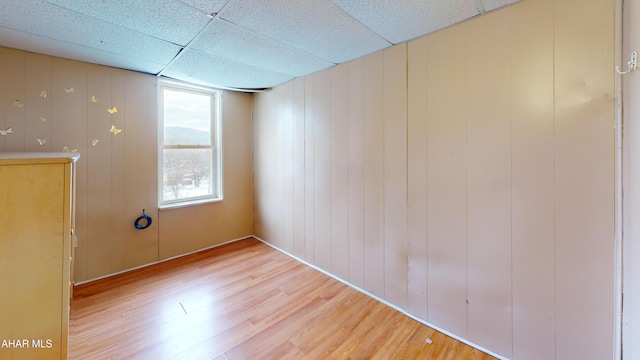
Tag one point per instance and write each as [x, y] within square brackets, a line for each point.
[189, 138]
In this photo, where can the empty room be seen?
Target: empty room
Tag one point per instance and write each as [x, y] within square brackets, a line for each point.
[319, 179]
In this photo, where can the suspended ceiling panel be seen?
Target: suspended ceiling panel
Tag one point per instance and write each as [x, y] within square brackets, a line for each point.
[490, 5]
[230, 41]
[170, 20]
[200, 68]
[39, 44]
[207, 6]
[48, 21]
[317, 27]
[244, 44]
[410, 19]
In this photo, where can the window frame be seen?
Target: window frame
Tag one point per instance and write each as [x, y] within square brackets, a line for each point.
[216, 144]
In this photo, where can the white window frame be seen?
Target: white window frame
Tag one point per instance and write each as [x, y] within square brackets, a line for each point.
[216, 144]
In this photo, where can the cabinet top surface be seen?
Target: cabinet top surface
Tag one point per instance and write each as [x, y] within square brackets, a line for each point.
[38, 157]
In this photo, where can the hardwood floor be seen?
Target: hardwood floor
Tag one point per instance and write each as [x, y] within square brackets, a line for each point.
[243, 300]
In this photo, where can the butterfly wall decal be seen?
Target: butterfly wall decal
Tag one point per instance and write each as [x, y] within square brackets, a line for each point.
[94, 99]
[115, 130]
[18, 104]
[70, 90]
[41, 141]
[66, 149]
[113, 110]
[43, 94]
[94, 142]
[6, 131]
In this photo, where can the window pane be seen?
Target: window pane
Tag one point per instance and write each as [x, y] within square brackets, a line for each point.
[187, 118]
[187, 173]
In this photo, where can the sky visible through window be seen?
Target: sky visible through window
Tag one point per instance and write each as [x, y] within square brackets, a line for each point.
[186, 109]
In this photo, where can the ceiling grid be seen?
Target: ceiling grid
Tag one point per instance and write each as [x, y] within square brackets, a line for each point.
[238, 44]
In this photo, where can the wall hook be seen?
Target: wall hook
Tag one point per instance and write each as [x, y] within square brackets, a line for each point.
[632, 64]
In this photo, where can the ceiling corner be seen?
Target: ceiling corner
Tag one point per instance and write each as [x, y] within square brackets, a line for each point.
[480, 6]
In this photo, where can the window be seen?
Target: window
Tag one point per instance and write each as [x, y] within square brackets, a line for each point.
[189, 145]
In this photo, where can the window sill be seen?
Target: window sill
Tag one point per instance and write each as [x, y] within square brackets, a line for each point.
[188, 203]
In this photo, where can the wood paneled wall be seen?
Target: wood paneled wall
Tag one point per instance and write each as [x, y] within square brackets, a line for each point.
[187, 229]
[466, 177]
[631, 171]
[66, 103]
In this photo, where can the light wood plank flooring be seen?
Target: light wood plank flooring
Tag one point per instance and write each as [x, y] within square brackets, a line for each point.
[243, 300]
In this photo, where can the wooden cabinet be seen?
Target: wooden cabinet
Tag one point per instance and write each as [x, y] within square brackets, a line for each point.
[36, 225]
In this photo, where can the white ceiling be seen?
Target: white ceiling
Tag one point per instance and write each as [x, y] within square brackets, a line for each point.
[239, 44]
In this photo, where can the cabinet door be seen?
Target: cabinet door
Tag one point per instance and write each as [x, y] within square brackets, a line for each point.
[32, 261]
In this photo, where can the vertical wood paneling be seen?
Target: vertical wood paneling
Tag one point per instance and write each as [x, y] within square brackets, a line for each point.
[192, 228]
[279, 168]
[38, 96]
[77, 125]
[96, 244]
[69, 126]
[298, 169]
[3, 85]
[260, 174]
[322, 168]
[532, 181]
[309, 169]
[475, 174]
[69, 91]
[271, 158]
[202, 231]
[340, 171]
[447, 179]
[374, 268]
[238, 170]
[214, 223]
[172, 234]
[417, 173]
[141, 246]
[210, 224]
[489, 183]
[356, 173]
[584, 182]
[395, 174]
[14, 101]
[117, 177]
[631, 175]
[264, 166]
[287, 164]
[118, 171]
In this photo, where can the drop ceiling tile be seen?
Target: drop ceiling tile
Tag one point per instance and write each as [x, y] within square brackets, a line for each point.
[229, 41]
[495, 4]
[402, 20]
[38, 44]
[317, 27]
[207, 6]
[168, 20]
[46, 20]
[200, 68]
